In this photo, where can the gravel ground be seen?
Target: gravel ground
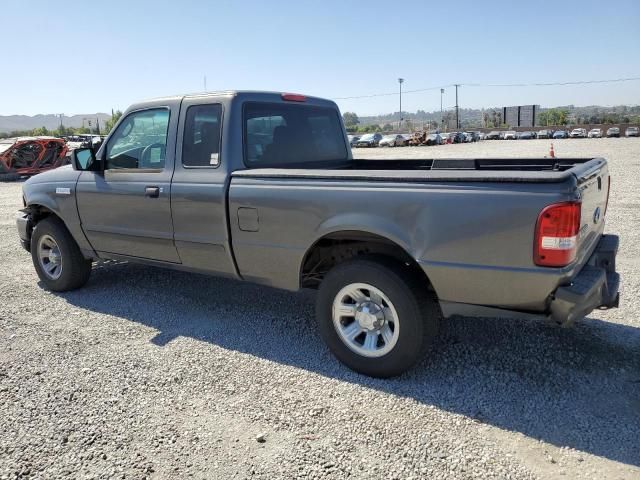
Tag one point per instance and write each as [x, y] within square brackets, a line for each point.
[148, 373]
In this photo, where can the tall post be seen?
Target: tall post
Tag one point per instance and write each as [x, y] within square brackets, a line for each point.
[441, 115]
[400, 81]
[457, 110]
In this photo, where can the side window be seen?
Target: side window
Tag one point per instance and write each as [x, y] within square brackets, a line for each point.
[140, 141]
[201, 142]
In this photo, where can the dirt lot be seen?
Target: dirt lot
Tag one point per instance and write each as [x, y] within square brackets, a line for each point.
[148, 373]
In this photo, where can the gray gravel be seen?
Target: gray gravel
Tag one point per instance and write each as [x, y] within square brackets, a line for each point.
[149, 373]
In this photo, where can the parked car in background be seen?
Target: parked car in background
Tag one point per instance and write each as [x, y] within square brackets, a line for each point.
[369, 140]
[560, 134]
[493, 135]
[526, 136]
[632, 132]
[445, 137]
[433, 139]
[392, 141]
[545, 134]
[613, 132]
[353, 139]
[25, 156]
[578, 133]
[471, 136]
[595, 133]
[510, 135]
[457, 137]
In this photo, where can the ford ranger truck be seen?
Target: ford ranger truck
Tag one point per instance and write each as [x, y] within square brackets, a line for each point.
[262, 187]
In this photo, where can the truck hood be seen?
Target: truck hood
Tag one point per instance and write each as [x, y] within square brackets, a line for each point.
[61, 174]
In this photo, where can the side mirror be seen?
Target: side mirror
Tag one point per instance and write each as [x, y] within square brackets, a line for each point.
[83, 159]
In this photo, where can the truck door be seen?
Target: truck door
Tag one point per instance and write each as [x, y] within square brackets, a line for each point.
[126, 209]
[199, 186]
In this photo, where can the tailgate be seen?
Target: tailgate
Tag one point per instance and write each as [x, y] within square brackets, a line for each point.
[593, 185]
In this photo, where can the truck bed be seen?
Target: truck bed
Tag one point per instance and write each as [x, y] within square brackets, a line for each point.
[527, 170]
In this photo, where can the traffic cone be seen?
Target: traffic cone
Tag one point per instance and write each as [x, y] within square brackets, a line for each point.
[552, 154]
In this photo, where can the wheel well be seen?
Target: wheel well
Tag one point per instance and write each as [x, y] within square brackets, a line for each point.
[39, 212]
[338, 247]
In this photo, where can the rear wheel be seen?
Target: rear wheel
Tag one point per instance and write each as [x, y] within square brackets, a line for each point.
[57, 257]
[376, 316]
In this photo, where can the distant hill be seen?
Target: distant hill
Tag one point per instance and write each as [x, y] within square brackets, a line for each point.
[10, 123]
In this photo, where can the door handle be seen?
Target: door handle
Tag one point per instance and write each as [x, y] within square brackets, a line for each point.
[152, 192]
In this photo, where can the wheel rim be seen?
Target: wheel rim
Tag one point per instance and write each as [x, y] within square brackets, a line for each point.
[365, 320]
[50, 257]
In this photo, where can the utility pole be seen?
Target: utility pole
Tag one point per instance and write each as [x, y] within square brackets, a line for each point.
[400, 81]
[457, 112]
[205, 83]
[61, 115]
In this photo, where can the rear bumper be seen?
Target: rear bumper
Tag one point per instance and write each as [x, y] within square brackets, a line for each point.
[595, 286]
[24, 230]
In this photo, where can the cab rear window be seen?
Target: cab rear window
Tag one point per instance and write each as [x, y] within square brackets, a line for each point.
[280, 135]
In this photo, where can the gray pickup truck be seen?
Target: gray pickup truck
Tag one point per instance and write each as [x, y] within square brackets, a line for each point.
[262, 187]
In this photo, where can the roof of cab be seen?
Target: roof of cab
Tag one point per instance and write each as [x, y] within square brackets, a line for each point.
[228, 93]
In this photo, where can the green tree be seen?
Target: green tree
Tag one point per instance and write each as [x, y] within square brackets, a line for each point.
[115, 116]
[387, 127]
[350, 119]
[42, 131]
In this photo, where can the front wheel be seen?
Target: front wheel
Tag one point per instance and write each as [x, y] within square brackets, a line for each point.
[57, 257]
[376, 316]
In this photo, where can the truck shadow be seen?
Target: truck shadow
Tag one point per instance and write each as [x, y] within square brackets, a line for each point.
[578, 388]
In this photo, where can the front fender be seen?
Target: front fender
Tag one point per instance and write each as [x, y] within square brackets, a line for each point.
[58, 198]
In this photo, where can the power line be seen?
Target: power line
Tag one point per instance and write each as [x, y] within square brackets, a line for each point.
[537, 84]
[548, 84]
[392, 93]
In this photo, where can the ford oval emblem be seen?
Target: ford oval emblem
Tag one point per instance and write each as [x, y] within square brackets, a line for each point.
[596, 215]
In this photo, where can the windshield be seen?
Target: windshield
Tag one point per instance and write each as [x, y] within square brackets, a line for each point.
[389, 137]
[368, 136]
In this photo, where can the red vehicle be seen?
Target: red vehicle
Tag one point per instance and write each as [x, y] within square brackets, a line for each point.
[26, 156]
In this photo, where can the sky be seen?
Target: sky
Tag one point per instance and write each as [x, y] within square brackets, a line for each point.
[76, 57]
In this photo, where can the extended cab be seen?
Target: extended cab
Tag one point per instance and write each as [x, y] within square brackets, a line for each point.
[262, 187]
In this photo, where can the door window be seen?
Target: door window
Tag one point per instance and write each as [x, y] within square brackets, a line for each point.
[140, 141]
[201, 142]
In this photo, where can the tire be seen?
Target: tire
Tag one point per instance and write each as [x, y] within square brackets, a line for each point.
[57, 257]
[410, 318]
[9, 177]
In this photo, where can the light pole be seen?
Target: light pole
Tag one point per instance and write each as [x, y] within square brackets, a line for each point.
[457, 117]
[441, 116]
[400, 81]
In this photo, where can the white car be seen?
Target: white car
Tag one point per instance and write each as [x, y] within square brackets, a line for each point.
[510, 135]
[578, 133]
[632, 132]
[595, 133]
[392, 141]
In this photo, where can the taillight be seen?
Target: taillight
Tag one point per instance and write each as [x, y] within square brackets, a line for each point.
[294, 97]
[556, 236]
[606, 204]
